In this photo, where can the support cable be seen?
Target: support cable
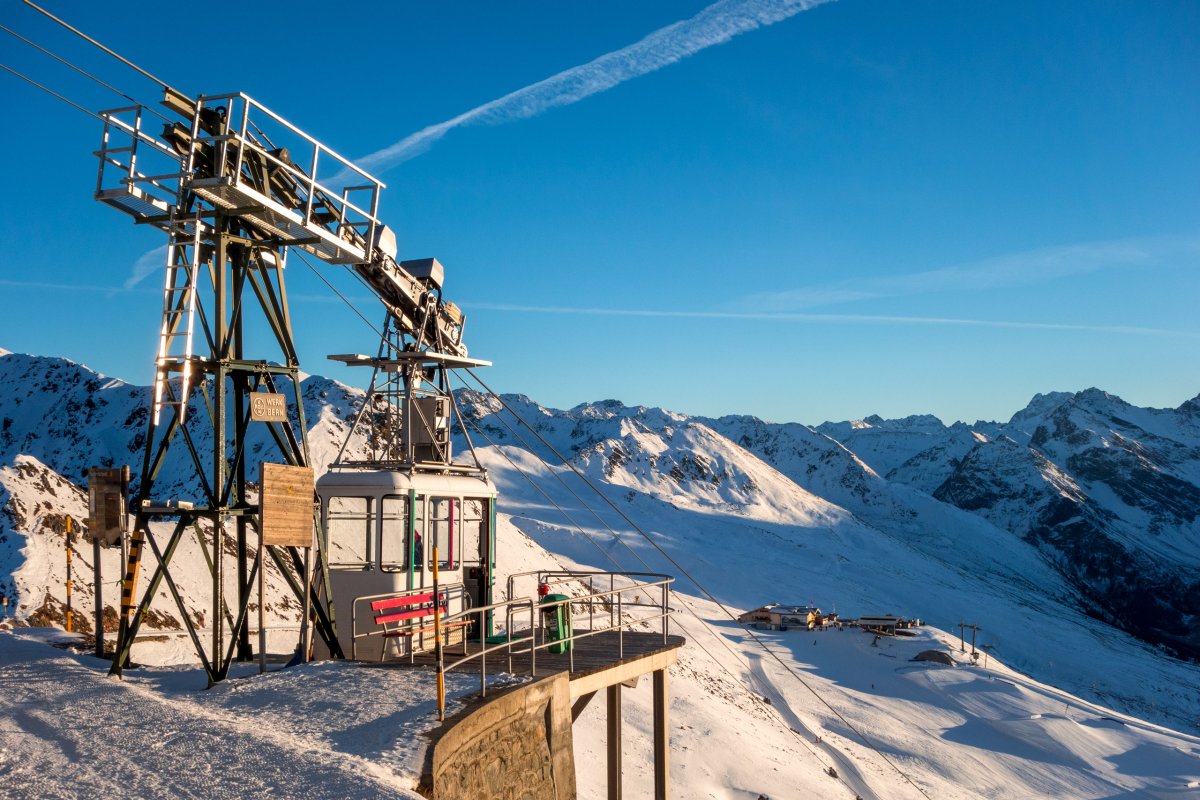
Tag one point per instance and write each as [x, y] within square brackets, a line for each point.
[333, 289]
[612, 560]
[83, 72]
[544, 494]
[606, 555]
[53, 93]
[525, 442]
[712, 598]
[111, 52]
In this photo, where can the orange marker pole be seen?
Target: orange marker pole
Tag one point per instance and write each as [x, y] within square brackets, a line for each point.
[70, 617]
[437, 638]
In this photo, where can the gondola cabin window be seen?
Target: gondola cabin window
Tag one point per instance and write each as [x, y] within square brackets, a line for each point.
[474, 524]
[394, 534]
[445, 522]
[418, 540]
[350, 522]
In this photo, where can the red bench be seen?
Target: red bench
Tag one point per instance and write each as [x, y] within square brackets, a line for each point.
[411, 610]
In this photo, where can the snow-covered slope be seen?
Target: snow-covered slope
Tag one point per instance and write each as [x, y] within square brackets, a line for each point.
[888, 547]
[755, 512]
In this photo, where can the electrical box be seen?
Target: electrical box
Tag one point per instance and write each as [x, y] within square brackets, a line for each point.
[385, 240]
[428, 270]
[430, 429]
[107, 488]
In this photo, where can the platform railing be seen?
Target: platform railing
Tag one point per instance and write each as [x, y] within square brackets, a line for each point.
[348, 225]
[622, 614]
[523, 616]
[125, 147]
[515, 641]
[355, 223]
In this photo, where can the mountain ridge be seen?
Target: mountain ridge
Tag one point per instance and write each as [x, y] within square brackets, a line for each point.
[722, 491]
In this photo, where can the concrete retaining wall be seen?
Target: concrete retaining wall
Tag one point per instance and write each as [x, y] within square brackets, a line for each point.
[515, 747]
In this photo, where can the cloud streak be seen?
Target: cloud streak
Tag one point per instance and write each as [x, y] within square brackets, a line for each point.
[714, 25]
[59, 287]
[147, 264]
[768, 316]
[1014, 270]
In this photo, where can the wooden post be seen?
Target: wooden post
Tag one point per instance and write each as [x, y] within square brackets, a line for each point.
[662, 746]
[262, 613]
[306, 625]
[614, 742]
[218, 522]
[98, 594]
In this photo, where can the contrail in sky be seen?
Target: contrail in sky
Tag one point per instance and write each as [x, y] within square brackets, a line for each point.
[1012, 270]
[147, 264]
[807, 317]
[715, 24]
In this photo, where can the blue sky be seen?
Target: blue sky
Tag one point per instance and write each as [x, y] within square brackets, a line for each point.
[863, 207]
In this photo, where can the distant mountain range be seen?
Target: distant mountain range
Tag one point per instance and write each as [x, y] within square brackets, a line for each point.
[1105, 492]
[1108, 492]
[1079, 514]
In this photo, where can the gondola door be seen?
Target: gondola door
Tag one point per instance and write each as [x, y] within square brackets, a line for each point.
[445, 532]
[477, 556]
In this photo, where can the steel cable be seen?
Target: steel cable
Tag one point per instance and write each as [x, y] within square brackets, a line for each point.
[83, 72]
[754, 637]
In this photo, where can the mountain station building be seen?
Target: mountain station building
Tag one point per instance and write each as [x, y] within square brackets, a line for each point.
[777, 617]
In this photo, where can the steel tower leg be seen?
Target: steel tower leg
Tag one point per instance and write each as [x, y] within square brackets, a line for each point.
[241, 282]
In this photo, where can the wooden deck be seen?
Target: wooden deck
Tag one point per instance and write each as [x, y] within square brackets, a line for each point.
[597, 660]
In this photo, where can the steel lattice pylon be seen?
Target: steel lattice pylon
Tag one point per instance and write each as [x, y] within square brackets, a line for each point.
[232, 202]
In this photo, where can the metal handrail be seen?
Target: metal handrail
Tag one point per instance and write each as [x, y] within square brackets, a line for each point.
[237, 133]
[303, 179]
[523, 640]
[617, 621]
[252, 103]
[509, 606]
[308, 183]
[114, 125]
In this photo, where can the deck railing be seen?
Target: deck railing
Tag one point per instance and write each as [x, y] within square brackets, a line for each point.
[606, 602]
[617, 612]
[362, 629]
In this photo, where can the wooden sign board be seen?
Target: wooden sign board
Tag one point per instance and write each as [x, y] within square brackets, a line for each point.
[106, 503]
[285, 505]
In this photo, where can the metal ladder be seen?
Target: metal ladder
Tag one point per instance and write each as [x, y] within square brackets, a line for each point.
[179, 312]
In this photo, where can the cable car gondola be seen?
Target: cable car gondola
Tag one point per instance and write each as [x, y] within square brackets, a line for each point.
[383, 515]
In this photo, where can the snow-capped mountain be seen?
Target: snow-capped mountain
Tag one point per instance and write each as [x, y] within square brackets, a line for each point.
[755, 512]
[1108, 492]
